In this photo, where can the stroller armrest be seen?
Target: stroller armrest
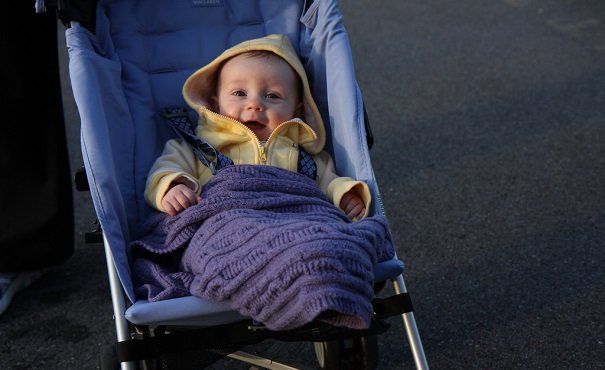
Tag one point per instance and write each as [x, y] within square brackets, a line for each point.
[388, 269]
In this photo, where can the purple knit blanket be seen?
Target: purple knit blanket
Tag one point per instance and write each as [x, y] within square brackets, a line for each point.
[272, 244]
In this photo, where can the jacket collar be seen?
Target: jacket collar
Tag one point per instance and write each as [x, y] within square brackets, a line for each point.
[221, 130]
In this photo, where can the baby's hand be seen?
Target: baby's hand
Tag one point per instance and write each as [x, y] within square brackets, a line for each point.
[353, 206]
[178, 198]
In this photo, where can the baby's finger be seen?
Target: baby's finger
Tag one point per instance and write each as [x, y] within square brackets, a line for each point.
[192, 197]
[345, 202]
[186, 198]
[356, 211]
[169, 208]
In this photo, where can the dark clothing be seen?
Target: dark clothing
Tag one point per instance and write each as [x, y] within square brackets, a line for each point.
[36, 207]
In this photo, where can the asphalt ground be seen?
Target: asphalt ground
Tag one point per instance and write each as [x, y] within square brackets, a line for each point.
[489, 125]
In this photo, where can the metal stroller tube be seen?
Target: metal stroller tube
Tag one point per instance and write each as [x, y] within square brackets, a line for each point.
[411, 329]
[118, 301]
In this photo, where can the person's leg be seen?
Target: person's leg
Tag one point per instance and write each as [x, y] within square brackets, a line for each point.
[36, 207]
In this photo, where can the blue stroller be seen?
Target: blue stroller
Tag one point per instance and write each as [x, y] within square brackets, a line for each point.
[128, 61]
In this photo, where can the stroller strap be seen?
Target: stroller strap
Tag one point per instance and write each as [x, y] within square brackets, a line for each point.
[178, 120]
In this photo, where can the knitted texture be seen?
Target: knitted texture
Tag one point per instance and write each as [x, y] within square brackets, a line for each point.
[271, 243]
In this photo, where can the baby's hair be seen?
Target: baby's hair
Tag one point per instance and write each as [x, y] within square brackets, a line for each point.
[267, 55]
[261, 53]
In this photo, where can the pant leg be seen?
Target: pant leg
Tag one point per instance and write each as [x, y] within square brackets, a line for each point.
[36, 207]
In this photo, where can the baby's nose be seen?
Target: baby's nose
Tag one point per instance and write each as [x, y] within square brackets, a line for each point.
[255, 103]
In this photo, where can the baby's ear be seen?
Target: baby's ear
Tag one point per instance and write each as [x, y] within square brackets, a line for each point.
[214, 104]
[300, 111]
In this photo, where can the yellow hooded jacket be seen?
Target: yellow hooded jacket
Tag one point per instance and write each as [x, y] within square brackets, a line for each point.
[238, 142]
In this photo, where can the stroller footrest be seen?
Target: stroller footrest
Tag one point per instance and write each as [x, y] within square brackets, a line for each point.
[230, 337]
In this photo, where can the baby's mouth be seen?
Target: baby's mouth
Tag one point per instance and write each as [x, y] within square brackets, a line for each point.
[254, 125]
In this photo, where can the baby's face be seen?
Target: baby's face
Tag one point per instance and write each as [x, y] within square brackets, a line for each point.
[259, 92]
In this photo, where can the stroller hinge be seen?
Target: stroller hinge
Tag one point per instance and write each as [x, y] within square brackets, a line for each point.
[391, 306]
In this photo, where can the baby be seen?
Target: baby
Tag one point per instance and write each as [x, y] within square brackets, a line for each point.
[255, 106]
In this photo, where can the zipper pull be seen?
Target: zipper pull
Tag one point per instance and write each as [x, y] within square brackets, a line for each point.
[263, 155]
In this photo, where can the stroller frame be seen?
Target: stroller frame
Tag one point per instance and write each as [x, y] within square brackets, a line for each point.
[139, 342]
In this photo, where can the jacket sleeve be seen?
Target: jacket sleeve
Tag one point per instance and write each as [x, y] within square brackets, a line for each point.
[335, 187]
[177, 161]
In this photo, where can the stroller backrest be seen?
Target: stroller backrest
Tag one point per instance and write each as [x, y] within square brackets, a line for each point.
[137, 61]
[159, 45]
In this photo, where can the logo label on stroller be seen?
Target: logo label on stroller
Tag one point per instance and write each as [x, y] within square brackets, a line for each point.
[206, 3]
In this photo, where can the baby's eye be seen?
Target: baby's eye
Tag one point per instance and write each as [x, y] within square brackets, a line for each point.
[272, 96]
[238, 93]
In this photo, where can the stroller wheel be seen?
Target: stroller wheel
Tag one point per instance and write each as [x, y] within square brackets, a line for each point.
[357, 353]
[108, 358]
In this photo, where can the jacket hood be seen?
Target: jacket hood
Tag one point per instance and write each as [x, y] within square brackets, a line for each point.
[200, 86]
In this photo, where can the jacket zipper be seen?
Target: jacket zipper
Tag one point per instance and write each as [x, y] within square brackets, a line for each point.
[262, 149]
